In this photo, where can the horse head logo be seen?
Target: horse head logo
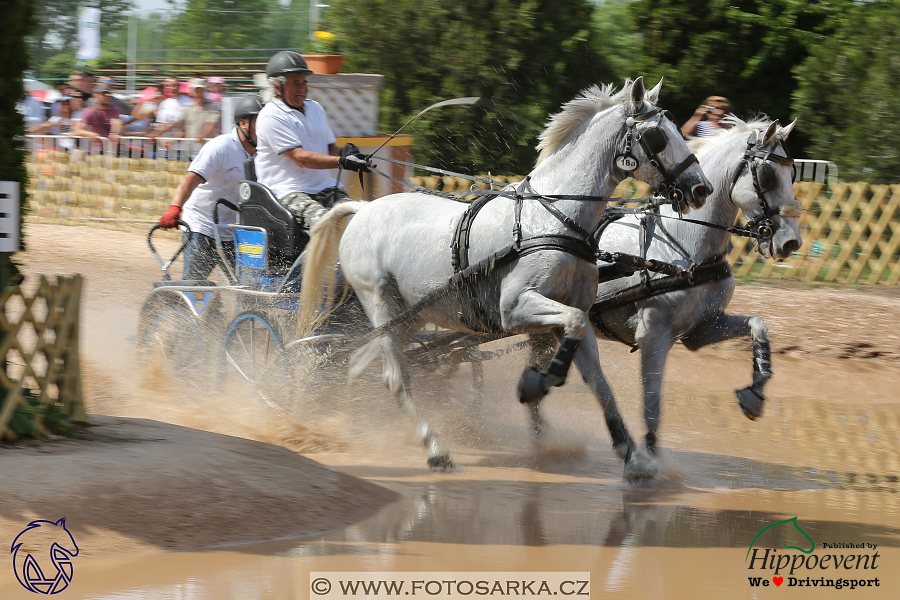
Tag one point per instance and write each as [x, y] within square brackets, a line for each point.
[812, 544]
[44, 543]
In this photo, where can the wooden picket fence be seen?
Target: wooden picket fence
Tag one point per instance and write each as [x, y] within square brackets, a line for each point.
[39, 338]
[851, 234]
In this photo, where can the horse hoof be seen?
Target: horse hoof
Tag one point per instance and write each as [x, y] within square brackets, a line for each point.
[640, 467]
[441, 463]
[533, 386]
[751, 402]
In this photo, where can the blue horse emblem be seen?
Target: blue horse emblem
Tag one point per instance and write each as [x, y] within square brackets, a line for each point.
[30, 550]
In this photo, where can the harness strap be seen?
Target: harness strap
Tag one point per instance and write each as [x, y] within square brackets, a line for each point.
[709, 271]
[459, 248]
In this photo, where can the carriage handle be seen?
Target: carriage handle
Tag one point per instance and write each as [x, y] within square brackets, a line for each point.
[165, 265]
[219, 248]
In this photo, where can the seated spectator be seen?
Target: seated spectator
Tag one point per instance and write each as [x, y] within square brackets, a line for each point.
[197, 121]
[60, 124]
[124, 108]
[144, 112]
[706, 119]
[100, 121]
[171, 105]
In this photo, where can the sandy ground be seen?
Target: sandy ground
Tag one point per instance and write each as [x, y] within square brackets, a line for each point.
[138, 484]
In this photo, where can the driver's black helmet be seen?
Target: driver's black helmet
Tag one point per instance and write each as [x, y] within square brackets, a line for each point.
[286, 62]
[247, 106]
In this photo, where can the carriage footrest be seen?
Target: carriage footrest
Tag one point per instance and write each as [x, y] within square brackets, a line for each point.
[185, 283]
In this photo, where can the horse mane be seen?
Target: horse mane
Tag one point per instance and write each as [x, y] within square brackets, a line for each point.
[701, 145]
[575, 112]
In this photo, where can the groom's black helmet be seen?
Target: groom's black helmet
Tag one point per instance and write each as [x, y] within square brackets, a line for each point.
[286, 62]
[247, 106]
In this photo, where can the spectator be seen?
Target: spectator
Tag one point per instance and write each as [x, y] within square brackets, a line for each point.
[32, 110]
[59, 124]
[171, 106]
[101, 120]
[124, 108]
[197, 121]
[216, 86]
[82, 85]
[144, 112]
[706, 121]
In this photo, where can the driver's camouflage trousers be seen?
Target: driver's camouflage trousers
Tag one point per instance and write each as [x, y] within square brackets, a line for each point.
[309, 208]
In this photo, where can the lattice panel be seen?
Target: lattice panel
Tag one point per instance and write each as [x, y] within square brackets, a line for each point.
[40, 336]
[351, 112]
[849, 236]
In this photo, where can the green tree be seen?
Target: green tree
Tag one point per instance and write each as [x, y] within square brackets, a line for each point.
[19, 22]
[526, 56]
[57, 28]
[745, 50]
[59, 66]
[849, 95]
[221, 24]
[616, 38]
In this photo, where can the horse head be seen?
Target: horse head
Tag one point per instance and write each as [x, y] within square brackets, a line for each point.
[662, 157]
[603, 136]
[762, 188]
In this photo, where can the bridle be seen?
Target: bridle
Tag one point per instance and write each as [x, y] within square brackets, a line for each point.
[757, 159]
[653, 141]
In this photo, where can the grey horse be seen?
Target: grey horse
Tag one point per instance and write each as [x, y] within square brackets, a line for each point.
[396, 252]
[751, 172]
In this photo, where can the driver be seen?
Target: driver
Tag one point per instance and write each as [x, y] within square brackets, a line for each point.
[215, 173]
[297, 146]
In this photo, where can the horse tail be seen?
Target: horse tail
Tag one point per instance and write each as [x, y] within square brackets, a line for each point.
[320, 267]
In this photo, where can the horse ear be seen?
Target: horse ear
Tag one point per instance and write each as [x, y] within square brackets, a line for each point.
[61, 522]
[770, 132]
[786, 131]
[653, 95]
[637, 93]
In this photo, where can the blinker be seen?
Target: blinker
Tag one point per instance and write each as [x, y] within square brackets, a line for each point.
[654, 140]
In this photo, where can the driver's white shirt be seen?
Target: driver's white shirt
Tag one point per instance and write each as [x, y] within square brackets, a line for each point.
[280, 128]
[221, 163]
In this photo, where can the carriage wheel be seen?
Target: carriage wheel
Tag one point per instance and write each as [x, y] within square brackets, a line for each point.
[174, 335]
[253, 352]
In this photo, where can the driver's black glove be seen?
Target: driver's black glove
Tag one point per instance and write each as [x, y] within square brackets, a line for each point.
[349, 149]
[355, 162]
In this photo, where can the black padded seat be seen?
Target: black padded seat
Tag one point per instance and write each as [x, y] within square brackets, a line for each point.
[185, 283]
[260, 208]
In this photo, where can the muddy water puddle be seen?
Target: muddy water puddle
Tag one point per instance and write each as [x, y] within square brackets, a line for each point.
[512, 509]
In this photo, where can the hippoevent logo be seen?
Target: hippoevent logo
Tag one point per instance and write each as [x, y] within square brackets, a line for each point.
[807, 568]
[42, 556]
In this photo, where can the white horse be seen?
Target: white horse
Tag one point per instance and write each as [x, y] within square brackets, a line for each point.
[751, 172]
[397, 251]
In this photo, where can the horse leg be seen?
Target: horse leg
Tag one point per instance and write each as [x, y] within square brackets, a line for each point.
[382, 305]
[638, 466]
[542, 345]
[655, 346]
[725, 327]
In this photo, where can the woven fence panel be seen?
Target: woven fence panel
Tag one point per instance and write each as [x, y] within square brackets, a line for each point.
[39, 337]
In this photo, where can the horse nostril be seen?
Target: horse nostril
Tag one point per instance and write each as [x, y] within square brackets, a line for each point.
[701, 191]
[790, 247]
